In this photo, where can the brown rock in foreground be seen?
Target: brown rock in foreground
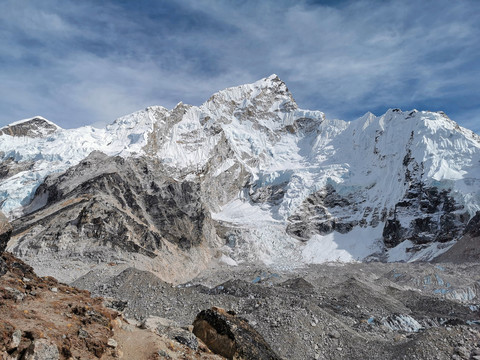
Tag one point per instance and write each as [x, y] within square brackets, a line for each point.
[41, 318]
[231, 336]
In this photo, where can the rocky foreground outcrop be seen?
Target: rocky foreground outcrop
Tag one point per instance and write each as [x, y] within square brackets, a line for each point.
[41, 318]
[230, 336]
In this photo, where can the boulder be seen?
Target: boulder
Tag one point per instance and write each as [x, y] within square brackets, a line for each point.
[16, 339]
[171, 330]
[42, 349]
[157, 324]
[230, 336]
[184, 337]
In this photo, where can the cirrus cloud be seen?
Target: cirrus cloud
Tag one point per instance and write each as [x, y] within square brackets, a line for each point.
[89, 62]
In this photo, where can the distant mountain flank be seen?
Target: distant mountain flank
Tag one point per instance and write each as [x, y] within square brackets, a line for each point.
[245, 177]
[33, 127]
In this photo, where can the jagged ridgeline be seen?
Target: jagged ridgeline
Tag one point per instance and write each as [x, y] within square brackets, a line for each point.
[247, 176]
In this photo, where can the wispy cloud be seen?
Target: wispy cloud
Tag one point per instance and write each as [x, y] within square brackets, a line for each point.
[90, 62]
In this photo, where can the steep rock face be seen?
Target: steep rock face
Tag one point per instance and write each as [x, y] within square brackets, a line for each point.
[9, 167]
[220, 183]
[109, 208]
[467, 249]
[5, 232]
[473, 227]
[425, 215]
[322, 213]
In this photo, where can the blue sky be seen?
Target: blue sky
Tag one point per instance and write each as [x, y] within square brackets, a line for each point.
[89, 62]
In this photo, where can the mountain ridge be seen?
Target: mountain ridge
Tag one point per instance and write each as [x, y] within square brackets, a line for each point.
[282, 185]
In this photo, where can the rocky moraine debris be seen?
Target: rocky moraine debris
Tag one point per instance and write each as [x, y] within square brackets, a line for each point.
[330, 311]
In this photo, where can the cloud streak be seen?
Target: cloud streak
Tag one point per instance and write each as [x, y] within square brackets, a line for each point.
[89, 62]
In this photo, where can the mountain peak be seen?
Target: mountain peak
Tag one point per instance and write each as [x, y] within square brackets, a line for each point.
[267, 94]
[273, 82]
[36, 126]
[274, 78]
[302, 176]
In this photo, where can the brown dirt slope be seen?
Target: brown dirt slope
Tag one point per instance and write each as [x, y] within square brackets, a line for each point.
[42, 318]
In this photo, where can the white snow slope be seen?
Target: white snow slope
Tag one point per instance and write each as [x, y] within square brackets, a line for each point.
[278, 144]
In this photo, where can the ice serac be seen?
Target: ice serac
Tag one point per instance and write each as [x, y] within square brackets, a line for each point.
[246, 176]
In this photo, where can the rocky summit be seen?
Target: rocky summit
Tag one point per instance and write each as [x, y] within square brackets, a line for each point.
[314, 231]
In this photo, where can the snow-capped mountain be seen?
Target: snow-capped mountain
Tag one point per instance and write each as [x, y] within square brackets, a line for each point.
[279, 184]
